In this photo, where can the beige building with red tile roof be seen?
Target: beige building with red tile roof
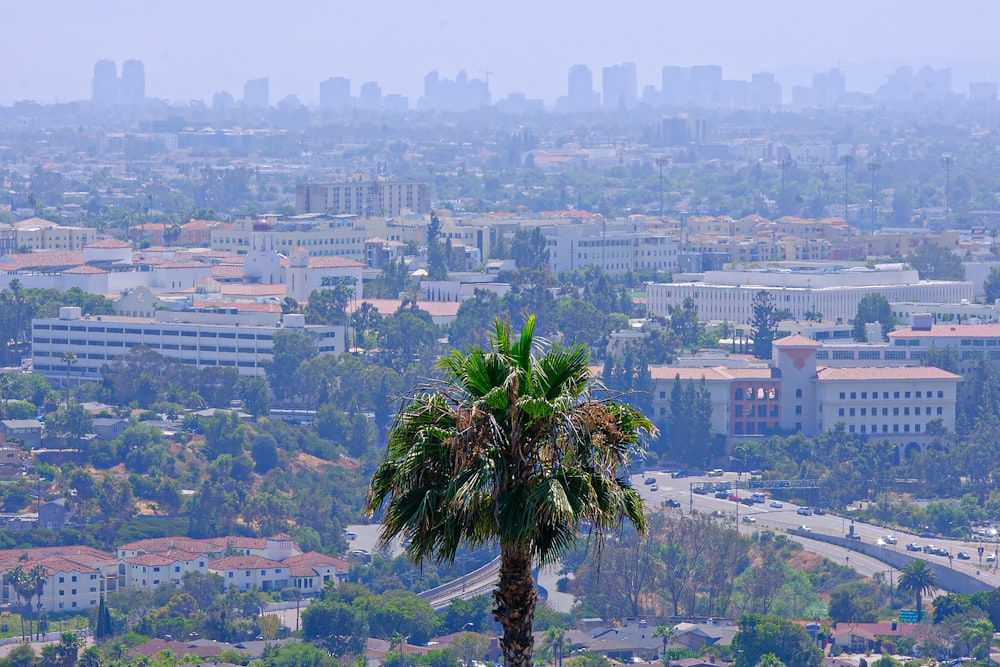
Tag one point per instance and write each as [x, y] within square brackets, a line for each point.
[902, 404]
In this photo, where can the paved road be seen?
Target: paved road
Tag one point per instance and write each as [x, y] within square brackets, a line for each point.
[787, 517]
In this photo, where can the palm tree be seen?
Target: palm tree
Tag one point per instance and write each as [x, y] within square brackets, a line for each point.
[24, 589]
[555, 641]
[69, 358]
[667, 633]
[37, 576]
[514, 446]
[917, 578]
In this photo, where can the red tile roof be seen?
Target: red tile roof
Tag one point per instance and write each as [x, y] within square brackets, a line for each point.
[390, 306]
[796, 340]
[243, 563]
[85, 271]
[890, 373]
[951, 331]
[111, 244]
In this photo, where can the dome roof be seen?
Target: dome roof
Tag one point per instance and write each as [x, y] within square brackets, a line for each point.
[263, 226]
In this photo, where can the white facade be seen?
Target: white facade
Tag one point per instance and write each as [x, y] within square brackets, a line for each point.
[246, 573]
[728, 295]
[613, 247]
[243, 341]
[152, 569]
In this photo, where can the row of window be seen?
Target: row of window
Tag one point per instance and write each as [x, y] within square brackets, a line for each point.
[863, 428]
[885, 411]
[157, 332]
[895, 394]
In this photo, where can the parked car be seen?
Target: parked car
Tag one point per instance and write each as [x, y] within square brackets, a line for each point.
[677, 474]
[701, 490]
[749, 519]
[649, 480]
[991, 558]
[654, 488]
[820, 511]
[804, 511]
[776, 504]
[913, 546]
[717, 472]
[722, 495]
[961, 555]
[735, 498]
[747, 501]
[670, 502]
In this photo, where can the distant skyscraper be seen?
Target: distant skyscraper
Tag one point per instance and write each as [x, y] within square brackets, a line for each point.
[620, 86]
[335, 94]
[256, 94]
[462, 94]
[104, 85]
[222, 102]
[370, 96]
[580, 91]
[132, 91]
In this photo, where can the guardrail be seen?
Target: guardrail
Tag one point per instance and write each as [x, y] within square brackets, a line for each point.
[478, 582]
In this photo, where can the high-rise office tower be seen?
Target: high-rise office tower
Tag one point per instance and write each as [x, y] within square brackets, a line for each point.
[335, 94]
[256, 94]
[104, 85]
[580, 92]
[132, 89]
[620, 86]
[370, 96]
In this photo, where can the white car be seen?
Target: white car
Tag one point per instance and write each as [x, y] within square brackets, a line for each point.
[776, 504]
[890, 539]
[749, 519]
[806, 529]
[991, 558]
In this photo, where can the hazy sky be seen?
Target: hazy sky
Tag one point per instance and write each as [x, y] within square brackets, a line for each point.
[192, 49]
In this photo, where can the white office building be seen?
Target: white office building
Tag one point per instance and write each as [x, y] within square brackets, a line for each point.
[832, 291]
[243, 341]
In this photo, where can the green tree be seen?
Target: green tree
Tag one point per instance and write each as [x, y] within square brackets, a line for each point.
[254, 393]
[528, 249]
[516, 446]
[873, 307]
[851, 602]
[687, 429]
[684, 322]
[786, 641]
[934, 262]
[291, 349]
[437, 258]
[336, 626]
[992, 285]
[297, 655]
[763, 325]
[666, 633]
[916, 578]
[329, 305]
[978, 636]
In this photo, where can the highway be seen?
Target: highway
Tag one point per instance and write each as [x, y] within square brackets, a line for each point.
[787, 517]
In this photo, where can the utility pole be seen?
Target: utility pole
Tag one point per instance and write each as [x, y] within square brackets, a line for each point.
[946, 160]
[783, 165]
[873, 167]
[661, 162]
[847, 160]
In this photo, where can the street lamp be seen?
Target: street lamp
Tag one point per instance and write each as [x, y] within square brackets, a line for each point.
[873, 166]
[467, 625]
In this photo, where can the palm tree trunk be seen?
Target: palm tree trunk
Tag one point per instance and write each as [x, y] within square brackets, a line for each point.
[516, 598]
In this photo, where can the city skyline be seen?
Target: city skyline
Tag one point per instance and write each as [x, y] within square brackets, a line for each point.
[194, 51]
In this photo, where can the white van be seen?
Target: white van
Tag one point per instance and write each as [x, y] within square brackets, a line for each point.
[758, 497]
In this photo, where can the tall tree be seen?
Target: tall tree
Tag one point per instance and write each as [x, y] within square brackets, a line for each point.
[934, 262]
[992, 285]
[528, 249]
[873, 307]
[437, 258]
[762, 635]
[517, 446]
[764, 325]
[684, 322]
[917, 578]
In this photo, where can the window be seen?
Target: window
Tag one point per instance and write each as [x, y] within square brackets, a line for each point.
[854, 395]
[895, 394]
[940, 394]
[907, 395]
[798, 409]
[864, 412]
[852, 412]
[798, 393]
[864, 394]
[916, 410]
[840, 412]
[895, 412]
[843, 395]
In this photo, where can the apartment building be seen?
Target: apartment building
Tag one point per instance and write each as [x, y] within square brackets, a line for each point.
[77, 577]
[364, 198]
[615, 248]
[243, 341]
[36, 234]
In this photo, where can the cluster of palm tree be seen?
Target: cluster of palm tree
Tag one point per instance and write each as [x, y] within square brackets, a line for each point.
[518, 446]
[27, 584]
[918, 579]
